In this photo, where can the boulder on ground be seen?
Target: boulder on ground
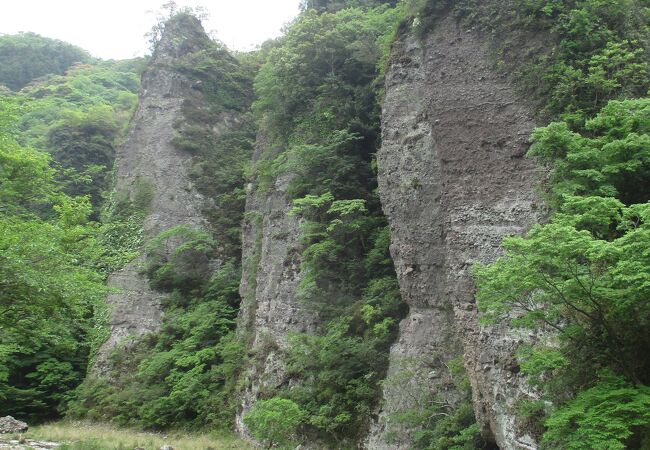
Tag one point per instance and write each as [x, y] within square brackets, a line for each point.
[10, 425]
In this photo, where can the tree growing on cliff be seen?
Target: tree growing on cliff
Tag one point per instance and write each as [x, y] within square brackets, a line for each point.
[584, 276]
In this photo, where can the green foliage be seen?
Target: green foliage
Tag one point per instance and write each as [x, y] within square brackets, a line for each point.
[221, 77]
[84, 142]
[223, 155]
[273, 421]
[26, 179]
[121, 235]
[585, 276]
[48, 293]
[336, 5]
[185, 375]
[601, 54]
[53, 258]
[178, 259]
[332, 167]
[605, 416]
[339, 375]
[340, 261]
[317, 107]
[27, 56]
[349, 280]
[316, 93]
[79, 118]
[610, 159]
[591, 290]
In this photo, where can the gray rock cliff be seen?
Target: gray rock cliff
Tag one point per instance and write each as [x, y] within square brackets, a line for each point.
[270, 309]
[148, 159]
[453, 183]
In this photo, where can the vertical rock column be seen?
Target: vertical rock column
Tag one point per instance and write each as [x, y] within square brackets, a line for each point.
[453, 183]
[270, 308]
[148, 161]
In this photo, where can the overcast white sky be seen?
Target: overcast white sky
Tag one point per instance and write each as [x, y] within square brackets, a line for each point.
[116, 28]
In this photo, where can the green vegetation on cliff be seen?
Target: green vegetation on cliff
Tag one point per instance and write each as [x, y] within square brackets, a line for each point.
[186, 375]
[582, 277]
[79, 118]
[314, 96]
[317, 102]
[57, 143]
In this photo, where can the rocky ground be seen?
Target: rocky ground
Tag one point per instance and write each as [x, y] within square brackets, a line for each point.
[10, 443]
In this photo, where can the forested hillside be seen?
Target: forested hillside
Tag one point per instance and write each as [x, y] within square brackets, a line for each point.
[233, 199]
[28, 56]
[58, 139]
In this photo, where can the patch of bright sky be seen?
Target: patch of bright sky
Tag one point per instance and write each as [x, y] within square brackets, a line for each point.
[116, 28]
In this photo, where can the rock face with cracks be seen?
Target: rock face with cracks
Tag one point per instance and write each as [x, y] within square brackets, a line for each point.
[149, 161]
[453, 182]
[270, 309]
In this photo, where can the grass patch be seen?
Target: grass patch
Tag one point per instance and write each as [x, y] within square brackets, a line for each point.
[93, 436]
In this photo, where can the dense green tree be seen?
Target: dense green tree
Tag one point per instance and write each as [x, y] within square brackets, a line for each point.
[47, 294]
[612, 159]
[584, 277]
[273, 421]
[51, 284]
[607, 416]
[335, 5]
[79, 118]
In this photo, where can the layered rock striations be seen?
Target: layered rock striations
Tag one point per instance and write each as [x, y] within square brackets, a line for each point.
[150, 168]
[453, 183]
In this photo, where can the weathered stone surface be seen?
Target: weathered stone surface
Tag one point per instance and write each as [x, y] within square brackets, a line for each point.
[453, 183]
[10, 425]
[270, 308]
[148, 158]
[27, 444]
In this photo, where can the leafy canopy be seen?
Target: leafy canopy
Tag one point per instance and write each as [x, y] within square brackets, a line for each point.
[583, 276]
[273, 421]
[48, 291]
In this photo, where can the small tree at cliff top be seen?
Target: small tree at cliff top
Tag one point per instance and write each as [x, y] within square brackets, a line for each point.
[273, 421]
